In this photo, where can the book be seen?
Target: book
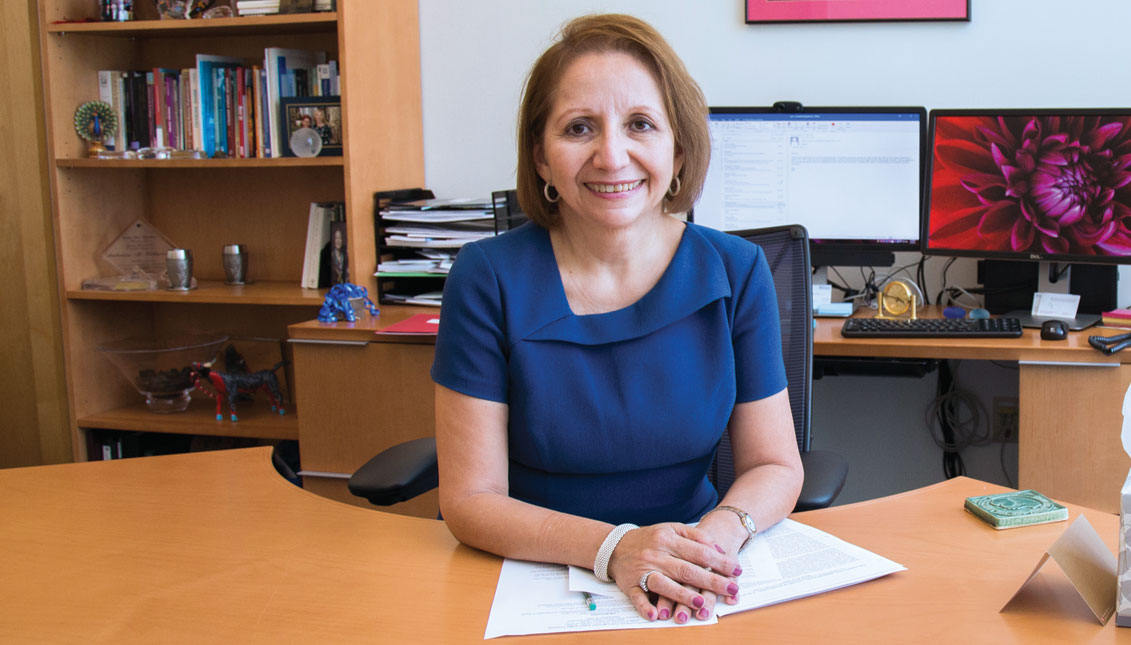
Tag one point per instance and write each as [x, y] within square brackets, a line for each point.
[107, 79]
[1117, 318]
[415, 325]
[317, 237]
[278, 61]
[206, 65]
[1014, 509]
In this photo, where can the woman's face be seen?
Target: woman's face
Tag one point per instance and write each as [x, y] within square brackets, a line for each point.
[306, 120]
[338, 242]
[608, 147]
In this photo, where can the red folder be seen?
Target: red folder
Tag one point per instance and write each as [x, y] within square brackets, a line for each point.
[417, 325]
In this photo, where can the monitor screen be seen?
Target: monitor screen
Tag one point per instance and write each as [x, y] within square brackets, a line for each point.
[850, 175]
[1030, 185]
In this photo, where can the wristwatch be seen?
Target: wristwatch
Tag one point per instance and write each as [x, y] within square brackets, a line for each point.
[744, 517]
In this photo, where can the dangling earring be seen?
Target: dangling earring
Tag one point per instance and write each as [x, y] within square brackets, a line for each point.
[546, 193]
[677, 185]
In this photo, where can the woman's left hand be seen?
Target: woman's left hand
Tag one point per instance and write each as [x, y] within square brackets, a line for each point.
[719, 534]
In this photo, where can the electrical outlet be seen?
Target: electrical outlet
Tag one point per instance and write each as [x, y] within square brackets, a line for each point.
[1005, 419]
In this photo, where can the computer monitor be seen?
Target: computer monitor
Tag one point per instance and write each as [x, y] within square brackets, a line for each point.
[852, 176]
[1036, 185]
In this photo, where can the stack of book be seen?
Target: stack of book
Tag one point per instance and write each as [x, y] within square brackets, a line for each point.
[1117, 318]
[221, 106]
[266, 7]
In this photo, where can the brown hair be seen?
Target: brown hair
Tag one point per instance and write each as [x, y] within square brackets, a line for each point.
[683, 100]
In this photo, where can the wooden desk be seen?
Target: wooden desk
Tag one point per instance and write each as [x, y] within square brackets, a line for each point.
[1070, 399]
[1070, 413]
[361, 393]
[216, 547]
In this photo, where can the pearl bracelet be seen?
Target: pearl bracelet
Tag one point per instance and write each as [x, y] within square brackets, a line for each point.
[601, 562]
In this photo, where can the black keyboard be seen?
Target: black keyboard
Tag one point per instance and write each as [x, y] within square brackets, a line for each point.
[931, 328]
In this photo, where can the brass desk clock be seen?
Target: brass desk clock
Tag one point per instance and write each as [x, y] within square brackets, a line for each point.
[898, 299]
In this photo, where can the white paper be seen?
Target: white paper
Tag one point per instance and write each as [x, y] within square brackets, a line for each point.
[822, 294]
[534, 598]
[790, 560]
[1055, 305]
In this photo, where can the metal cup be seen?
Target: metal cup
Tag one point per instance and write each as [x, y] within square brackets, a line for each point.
[235, 263]
[178, 264]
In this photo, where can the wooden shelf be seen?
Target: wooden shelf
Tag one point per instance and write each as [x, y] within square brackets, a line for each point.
[256, 420]
[282, 162]
[247, 25]
[214, 292]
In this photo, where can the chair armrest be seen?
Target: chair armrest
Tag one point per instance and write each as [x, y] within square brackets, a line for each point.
[825, 473]
[398, 473]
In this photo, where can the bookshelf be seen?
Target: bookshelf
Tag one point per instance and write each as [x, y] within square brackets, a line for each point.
[204, 204]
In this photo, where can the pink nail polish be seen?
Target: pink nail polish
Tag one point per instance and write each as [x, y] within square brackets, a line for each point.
[651, 614]
[720, 549]
[665, 614]
[704, 614]
[737, 571]
[732, 589]
[697, 601]
[681, 617]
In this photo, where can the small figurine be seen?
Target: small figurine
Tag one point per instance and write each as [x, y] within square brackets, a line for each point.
[94, 121]
[232, 384]
[337, 305]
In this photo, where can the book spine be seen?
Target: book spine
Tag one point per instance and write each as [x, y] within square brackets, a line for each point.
[267, 118]
[140, 109]
[170, 107]
[156, 86]
[256, 111]
[230, 97]
[237, 94]
[220, 109]
[194, 97]
[186, 109]
[122, 142]
[323, 84]
[106, 95]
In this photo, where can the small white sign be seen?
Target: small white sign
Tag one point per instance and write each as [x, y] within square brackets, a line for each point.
[1055, 305]
[822, 294]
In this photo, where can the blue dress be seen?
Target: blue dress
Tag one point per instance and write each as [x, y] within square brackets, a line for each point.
[613, 416]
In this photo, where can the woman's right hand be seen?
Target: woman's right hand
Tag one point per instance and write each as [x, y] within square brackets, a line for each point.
[682, 560]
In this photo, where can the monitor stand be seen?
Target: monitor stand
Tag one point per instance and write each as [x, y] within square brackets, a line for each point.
[1045, 284]
[1081, 321]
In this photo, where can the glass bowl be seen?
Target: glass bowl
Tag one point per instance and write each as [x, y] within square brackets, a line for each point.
[161, 369]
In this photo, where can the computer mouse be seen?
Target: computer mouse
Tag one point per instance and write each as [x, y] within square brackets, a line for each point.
[1054, 330]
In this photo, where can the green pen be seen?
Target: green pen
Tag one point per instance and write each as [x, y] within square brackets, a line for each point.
[589, 601]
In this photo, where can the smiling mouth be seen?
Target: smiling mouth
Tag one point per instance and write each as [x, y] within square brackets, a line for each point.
[615, 188]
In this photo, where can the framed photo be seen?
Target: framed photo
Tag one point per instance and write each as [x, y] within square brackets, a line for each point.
[759, 11]
[320, 113]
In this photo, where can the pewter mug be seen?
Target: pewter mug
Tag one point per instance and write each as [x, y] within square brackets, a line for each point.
[235, 263]
[178, 264]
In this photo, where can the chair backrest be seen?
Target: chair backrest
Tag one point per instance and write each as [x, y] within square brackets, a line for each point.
[508, 212]
[787, 252]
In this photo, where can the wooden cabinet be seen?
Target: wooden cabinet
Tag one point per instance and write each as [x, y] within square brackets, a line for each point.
[362, 393]
[207, 203]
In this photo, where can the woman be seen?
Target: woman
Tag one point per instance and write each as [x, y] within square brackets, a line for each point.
[588, 363]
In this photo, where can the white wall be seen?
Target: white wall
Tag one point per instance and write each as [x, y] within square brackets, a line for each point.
[1013, 53]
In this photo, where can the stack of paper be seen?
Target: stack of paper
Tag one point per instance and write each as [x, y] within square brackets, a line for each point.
[438, 223]
[788, 561]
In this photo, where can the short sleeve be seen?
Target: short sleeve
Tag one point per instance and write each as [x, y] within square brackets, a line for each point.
[756, 331]
[471, 355]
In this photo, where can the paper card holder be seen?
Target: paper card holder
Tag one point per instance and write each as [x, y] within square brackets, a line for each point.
[1088, 565]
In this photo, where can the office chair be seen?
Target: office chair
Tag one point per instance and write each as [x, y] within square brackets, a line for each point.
[787, 253]
[409, 469]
